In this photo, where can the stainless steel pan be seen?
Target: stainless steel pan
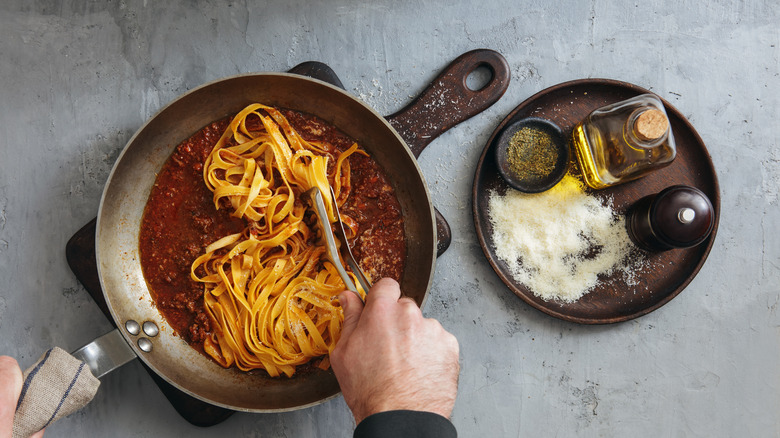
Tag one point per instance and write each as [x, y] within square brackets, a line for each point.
[445, 103]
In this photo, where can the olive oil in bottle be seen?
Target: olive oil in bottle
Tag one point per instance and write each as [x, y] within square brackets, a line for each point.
[624, 141]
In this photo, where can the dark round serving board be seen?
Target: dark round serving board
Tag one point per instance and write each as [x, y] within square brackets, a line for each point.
[667, 273]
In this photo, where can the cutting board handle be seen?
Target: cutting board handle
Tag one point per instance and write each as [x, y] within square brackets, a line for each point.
[448, 100]
[317, 70]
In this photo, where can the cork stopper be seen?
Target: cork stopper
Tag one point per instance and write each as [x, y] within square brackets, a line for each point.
[651, 125]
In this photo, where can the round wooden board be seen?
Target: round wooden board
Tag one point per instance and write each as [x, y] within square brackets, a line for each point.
[667, 273]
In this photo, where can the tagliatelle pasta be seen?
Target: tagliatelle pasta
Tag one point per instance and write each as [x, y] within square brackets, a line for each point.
[268, 291]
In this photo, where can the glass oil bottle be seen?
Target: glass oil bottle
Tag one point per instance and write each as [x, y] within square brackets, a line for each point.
[624, 141]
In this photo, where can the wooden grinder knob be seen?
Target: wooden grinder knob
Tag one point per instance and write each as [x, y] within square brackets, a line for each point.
[651, 125]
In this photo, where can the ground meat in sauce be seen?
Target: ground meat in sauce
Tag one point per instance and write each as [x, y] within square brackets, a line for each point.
[180, 220]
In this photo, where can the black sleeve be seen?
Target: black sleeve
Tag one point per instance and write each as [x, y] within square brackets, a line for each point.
[407, 424]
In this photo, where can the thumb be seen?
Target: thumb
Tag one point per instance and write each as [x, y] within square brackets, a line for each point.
[10, 388]
[353, 308]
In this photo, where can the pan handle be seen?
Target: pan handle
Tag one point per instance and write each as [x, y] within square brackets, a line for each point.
[59, 384]
[106, 353]
[448, 100]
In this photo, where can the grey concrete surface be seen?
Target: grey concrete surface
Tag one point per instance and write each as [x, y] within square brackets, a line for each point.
[78, 78]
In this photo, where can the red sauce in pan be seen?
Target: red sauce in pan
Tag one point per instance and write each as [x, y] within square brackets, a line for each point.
[180, 221]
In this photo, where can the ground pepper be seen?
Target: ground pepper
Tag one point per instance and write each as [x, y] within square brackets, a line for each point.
[532, 154]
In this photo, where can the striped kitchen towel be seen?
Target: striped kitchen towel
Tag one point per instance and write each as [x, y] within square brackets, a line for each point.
[54, 387]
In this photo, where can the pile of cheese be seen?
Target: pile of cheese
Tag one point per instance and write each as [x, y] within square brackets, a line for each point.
[557, 242]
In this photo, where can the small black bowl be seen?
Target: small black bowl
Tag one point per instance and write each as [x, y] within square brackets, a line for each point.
[532, 184]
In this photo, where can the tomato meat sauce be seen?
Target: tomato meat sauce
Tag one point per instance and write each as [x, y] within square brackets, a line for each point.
[180, 221]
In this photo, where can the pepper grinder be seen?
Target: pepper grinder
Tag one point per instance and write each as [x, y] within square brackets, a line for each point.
[677, 217]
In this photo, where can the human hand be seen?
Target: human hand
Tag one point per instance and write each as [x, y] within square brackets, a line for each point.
[390, 357]
[11, 381]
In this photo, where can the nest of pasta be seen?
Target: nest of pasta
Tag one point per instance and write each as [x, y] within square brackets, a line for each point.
[271, 295]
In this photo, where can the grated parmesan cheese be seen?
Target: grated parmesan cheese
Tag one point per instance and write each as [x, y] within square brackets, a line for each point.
[557, 242]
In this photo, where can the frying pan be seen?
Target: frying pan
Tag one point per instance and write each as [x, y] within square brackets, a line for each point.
[393, 142]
